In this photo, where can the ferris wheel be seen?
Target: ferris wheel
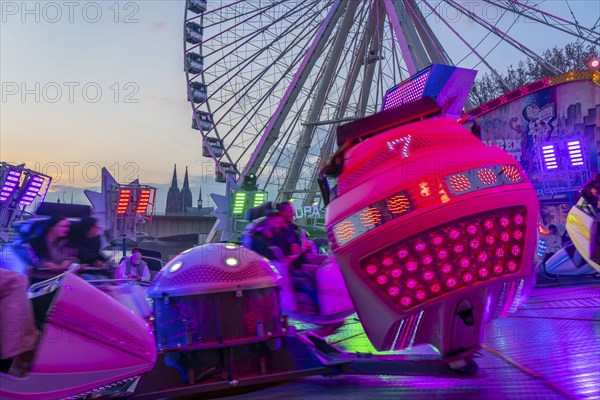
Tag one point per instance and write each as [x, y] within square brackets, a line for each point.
[269, 81]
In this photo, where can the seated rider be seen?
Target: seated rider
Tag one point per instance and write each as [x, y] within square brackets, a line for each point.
[53, 254]
[589, 204]
[133, 267]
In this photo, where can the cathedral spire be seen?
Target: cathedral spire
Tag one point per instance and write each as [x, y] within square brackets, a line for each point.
[174, 180]
[200, 199]
[174, 198]
[186, 193]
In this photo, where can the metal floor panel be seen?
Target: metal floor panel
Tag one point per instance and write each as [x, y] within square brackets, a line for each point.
[548, 349]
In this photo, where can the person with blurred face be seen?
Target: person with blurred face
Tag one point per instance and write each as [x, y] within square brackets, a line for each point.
[85, 237]
[289, 239]
[134, 268]
[265, 237]
[53, 253]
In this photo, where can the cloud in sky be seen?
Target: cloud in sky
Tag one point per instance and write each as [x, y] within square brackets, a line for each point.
[157, 26]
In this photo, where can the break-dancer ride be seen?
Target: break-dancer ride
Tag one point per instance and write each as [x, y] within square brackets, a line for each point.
[434, 233]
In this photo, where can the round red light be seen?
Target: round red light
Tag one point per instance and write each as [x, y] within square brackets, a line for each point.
[472, 229]
[515, 250]
[512, 266]
[451, 282]
[406, 301]
[371, 269]
[420, 294]
[442, 254]
[396, 272]
[428, 275]
[595, 63]
[382, 279]
[454, 234]
[497, 269]
[474, 243]
[482, 257]
[402, 253]
[411, 266]
[393, 291]
[427, 259]
[504, 221]
[459, 248]
[446, 268]
[437, 240]
[420, 246]
[483, 272]
[488, 224]
[500, 252]
[411, 284]
[518, 219]
[467, 277]
[464, 262]
[505, 236]
[518, 235]
[435, 288]
[388, 261]
[489, 239]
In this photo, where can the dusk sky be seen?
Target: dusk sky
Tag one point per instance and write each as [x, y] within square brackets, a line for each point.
[91, 84]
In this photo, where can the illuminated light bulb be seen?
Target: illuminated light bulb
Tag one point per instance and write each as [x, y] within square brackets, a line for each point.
[435, 288]
[382, 279]
[467, 277]
[396, 273]
[411, 284]
[464, 262]
[498, 269]
[388, 261]
[512, 266]
[427, 259]
[459, 248]
[402, 253]
[518, 235]
[482, 257]
[454, 234]
[437, 240]
[406, 301]
[428, 275]
[442, 254]
[504, 221]
[474, 243]
[411, 266]
[515, 250]
[500, 252]
[420, 294]
[483, 272]
[489, 239]
[505, 236]
[420, 246]
[393, 291]
[518, 219]
[371, 269]
[472, 229]
[488, 224]
[175, 267]
[232, 261]
[446, 268]
[451, 282]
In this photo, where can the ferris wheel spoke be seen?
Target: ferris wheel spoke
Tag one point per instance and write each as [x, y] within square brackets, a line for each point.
[473, 49]
[257, 106]
[505, 36]
[535, 14]
[257, 32]
[247, 62]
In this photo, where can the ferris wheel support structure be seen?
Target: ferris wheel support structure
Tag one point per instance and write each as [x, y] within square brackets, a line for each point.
[271, 132]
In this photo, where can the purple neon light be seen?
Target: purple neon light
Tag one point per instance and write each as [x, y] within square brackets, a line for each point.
[10, 184]
[31, 190]
[549, 155]
[575, 153]
[405, 93]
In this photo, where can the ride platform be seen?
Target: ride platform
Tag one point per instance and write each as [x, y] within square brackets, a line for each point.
[548, 349]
